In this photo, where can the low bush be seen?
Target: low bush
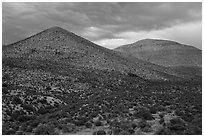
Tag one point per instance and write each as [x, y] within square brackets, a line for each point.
[80, 122]
[116, 131]
[144, 114]
[176, 121]
[142, 124]
[15, 114]
[98, 123]
[153, 110]
[19, 132]
[24, 118]
[163, 131]
[131, 131]
[10, 131]
[4, 85]
[177, 125]
[178, 112]
[35, 123]
[45, 130]
[16, 100]
[28, 107]
[132, 74]
[99, 132]
[193, 130]
[124, 132]
[88, 124]
[67, 128]
[134, 125]
[161, 121]
[29, 129]
[124, 125]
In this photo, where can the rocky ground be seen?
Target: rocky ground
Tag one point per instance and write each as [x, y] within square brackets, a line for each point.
[35, 101]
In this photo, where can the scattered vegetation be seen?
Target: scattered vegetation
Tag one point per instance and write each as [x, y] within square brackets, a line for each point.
[42, 102]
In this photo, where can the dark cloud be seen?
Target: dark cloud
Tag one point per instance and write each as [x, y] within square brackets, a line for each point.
[98, 21]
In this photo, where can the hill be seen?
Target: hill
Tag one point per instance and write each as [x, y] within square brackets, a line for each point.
[163, 52]
[64, 50]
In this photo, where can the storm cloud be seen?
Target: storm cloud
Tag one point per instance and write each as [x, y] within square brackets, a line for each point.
[107, 24]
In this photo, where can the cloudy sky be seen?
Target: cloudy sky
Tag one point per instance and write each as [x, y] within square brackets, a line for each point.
[107, 24]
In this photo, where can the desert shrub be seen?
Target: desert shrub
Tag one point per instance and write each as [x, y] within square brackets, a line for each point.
[29, 129]
[123, 132]
[35, 123]
[131, 131]
[178, 112]
[5, 128]
[45, 130]
[58, 53]
[147, 128]
[15, 126]
[88, 124]
[99, 132]
[116, 131]
[177, 127]
[193, 130]
[166, 103]
[4, 85]
[176, 121]
[98, 123]
[10, 131]
[59, 114]
[16, 100]
[5, 91]
[142, 124]
[161, 115]
[65, 120]
[24, 118]
[15, 114]
[176, 124]
[134, 125]
[23, 127]
[163, 131]
[132, 74]
[161, 121]
[19, 132]
[161, 108]
[33, 50]
[48, 88]
[153, 110]
[197, 121]
[67, 128]
[144, 114]
[28, 107]
[44, 111]
[187, 117]
[125, 125]
[80, 122]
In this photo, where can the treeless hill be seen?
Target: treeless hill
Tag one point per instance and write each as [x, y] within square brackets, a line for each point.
[163, 52]
[60, 49]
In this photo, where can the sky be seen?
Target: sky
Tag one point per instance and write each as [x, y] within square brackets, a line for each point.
[110, 24]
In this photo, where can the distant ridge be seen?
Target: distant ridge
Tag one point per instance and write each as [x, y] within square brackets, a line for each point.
[163, 52]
